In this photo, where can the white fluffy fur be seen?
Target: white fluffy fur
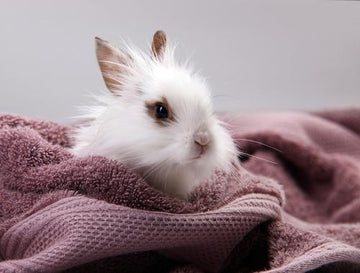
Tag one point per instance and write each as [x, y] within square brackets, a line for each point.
[122, 129]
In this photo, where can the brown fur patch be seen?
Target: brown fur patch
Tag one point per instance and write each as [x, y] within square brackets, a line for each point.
[158, 44]
[151, 108]
[113, 64]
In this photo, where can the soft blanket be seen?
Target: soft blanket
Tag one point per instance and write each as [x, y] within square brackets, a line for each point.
[292, 205]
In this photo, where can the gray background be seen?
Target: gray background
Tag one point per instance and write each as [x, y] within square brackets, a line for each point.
[272, 55]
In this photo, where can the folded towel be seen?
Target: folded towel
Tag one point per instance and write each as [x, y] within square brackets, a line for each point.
[92, 214]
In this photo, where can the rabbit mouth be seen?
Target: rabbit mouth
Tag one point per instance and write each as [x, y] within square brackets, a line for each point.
[202, 151]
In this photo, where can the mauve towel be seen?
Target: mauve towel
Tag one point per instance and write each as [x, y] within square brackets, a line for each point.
[292, 206]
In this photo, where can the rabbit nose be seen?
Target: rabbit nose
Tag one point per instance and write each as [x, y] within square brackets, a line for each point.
[201, 138]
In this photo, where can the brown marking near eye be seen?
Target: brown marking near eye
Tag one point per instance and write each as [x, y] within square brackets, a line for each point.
[151, 109]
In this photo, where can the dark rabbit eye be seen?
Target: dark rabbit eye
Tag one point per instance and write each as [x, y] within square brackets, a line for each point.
[161, 111]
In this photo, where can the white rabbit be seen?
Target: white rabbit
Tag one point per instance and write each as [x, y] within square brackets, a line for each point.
[158, 119]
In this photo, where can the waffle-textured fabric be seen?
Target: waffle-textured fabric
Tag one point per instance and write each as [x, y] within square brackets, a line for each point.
[293, 205]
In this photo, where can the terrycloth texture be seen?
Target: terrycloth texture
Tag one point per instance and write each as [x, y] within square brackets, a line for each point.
[60, 213]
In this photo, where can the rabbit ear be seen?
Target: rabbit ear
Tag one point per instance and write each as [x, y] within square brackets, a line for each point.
[114, 64]
[158, 45]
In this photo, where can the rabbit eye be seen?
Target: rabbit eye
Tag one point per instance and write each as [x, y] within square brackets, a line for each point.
[161, 111]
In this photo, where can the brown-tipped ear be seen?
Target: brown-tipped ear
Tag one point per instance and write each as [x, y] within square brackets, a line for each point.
[159, 44]
[113, 64]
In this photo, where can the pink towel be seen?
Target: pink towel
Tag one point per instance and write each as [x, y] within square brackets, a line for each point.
[292, 206]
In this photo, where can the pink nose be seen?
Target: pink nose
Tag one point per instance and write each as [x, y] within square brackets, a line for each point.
[201, 138]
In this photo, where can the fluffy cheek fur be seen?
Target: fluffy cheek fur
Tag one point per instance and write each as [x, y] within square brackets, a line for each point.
[180, 173]
[164, 156]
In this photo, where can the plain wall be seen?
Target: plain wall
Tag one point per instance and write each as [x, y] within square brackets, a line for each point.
[272, 55]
